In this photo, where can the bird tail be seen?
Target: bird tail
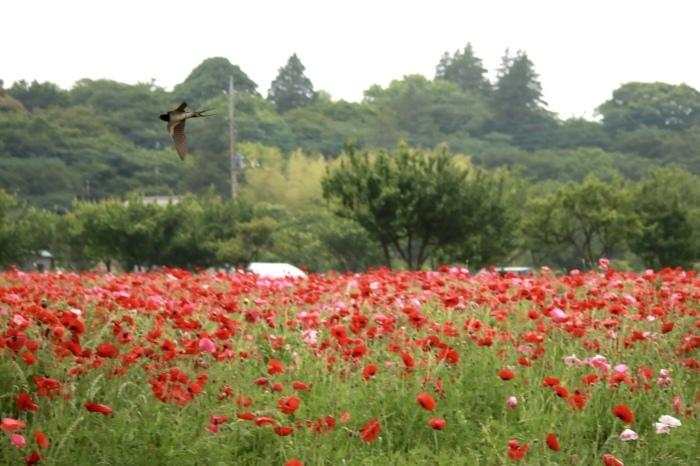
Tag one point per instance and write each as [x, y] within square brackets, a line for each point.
[201, 113]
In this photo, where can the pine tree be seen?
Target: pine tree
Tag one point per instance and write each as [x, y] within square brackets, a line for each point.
[291, 88]
[464, 69]
[517, 104]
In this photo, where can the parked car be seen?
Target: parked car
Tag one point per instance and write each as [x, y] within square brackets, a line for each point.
[275, 270]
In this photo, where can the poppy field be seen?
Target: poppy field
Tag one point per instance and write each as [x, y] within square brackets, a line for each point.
[378, 368]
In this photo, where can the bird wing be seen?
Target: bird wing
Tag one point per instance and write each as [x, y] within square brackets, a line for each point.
[177, 132]
[181, 108]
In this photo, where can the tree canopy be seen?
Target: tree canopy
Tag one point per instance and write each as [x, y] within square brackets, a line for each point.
[465, 69]
[291, 88]
[411, 201]
[517, 101]
[661, 105]
[210, 78]
[102, 142]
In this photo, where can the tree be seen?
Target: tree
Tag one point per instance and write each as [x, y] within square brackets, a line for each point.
[408, 201]
[37, 95]
[291, 88]
[45, 182]
[130, 109]
[96, 234]
[490, 221]
[465, 69]
[9, 104]
[210, 79]
[427, 110]
[594, 218]
[659, 105]
[10, 252]
[347, 242]
[23, 231]
[668, 203]
[517, 104]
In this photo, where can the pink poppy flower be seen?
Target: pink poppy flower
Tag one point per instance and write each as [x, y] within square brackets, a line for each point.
[206, 345]
[18, 440]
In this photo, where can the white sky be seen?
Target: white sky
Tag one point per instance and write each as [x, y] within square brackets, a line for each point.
[581, 50]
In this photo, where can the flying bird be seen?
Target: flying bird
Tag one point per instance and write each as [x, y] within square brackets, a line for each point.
[176, 126]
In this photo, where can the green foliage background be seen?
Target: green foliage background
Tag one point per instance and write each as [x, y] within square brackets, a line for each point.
[61, 151]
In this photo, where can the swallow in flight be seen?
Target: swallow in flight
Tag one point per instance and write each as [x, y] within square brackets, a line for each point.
[176, 126]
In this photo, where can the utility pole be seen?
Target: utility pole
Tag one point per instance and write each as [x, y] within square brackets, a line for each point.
[232, 127]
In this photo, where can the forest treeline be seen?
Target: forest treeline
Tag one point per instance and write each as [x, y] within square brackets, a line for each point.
[63, 152]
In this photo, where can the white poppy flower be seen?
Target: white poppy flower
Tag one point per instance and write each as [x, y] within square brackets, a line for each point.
[669, 421]
[662, 428]
[628, 435]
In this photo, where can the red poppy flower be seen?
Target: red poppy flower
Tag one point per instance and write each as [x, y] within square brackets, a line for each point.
[667, 327]
[245, 416]
[283, 431]
[449, 355]
[610, 460]
[408, 360]
[98, 408]
[561, 391]
[369, 371]
[275, 367]
[289, 404]
[426, 401]
[263, 421]
[552, 442]
[533, 338]
[437, 423]
[294, 463]
[300, 386]
[70, 322]
[344, 417]
[16, 340]
[24, 401]
[28, 358]
[213, 428]
[624, 413]
[370, 431]
[195, 388]
[577, 401]
[505, 374]
[589, 379]
[339, 332]
[550, 382]
[450, 301]
[12, 424]
[34, 458]
[277, 387]
[41, 439]
[217, 419]
[516, 451]
[106, 350]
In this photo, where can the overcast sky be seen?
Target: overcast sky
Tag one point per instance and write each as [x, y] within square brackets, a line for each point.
[581, 50]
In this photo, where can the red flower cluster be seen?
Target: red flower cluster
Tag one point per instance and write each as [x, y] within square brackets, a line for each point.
[171, 328]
